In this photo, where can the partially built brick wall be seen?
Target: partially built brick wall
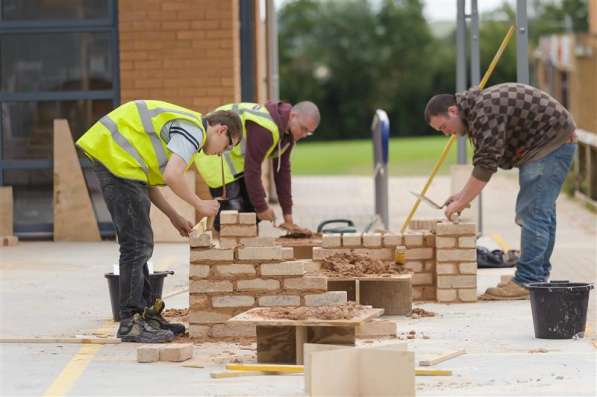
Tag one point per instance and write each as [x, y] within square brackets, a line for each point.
[224, 282]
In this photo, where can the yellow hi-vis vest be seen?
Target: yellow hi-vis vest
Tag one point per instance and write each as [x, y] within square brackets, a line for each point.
[210, 167]
[128, 143]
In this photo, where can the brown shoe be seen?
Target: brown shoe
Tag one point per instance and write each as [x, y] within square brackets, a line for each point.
[509, 291]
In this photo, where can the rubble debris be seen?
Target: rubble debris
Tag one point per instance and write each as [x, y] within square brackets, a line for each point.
[418, 312]
[356, 265]
[176, 312]
[345, 311]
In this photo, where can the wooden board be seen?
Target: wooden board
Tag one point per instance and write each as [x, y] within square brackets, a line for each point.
[331, 335]
[312, 348]
[6, 211]
[276, 345]
[250, 317]
[334, 373]
[163, 231]
[391, 278]
[394, 297]
[74, 218]
[441, 358]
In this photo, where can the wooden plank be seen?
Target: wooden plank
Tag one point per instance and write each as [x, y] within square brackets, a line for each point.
[74, 218]
[394, 297]
[265, 368]
[300, 339]
[276, 345]
[441, 358]
[44, 339]
[391, 278]
[432, 372]
[386, 372]
[335, 373]
[332, 335]
[312, 348]
[252, 317]
[236, 374]
[163, 230]
[6, 211]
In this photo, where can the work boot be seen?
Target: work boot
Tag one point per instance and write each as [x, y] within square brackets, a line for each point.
[135, 329]
[153, 315]
[509, 291]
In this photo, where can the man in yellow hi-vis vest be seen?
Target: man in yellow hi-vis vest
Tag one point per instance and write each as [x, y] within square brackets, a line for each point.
[269, 131]
[135, 148]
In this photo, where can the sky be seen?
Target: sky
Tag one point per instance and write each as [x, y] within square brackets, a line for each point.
[445, 10]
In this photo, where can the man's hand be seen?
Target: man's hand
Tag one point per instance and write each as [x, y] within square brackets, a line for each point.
[181, 224]
[267, 215]
[208, 207]
[453, 198]
[455, 207]
[294, 228]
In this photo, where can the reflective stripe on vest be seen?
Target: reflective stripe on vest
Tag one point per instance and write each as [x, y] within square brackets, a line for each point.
[107, 122]
[156, 142]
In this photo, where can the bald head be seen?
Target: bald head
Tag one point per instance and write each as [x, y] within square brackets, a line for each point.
[304, 120]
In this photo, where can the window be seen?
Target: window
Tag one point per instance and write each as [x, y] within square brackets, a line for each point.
[58, 59]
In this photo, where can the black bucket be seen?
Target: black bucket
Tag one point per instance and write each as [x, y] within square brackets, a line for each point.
[157, 285]
[559, 308]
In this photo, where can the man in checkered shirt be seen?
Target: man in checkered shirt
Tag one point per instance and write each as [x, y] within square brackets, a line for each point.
[513, 125]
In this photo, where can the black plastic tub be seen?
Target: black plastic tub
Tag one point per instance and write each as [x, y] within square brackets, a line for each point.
[157, 285]
[559, 308]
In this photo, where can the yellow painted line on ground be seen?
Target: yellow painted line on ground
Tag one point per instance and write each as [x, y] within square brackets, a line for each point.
[501, 242]
[76, 366]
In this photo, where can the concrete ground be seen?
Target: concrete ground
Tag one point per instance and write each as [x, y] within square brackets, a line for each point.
[59, 289]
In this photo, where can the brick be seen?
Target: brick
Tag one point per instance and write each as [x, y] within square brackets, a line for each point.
[289, 268]
[330, 298]
[287, 253]
[306, 283]
[446, 268]
[384, 254]
[312, 266]
[422, 224]
[176, 352]
[414, 266]
[212, 255]
[352, 240]
[148, 354]
[446, 295]
[428, 239]
[198, 271]
[199, 332]
[257, 241]
[322, 253]
[376, 328]
[413, 239]
[422, 278]
[413, 254]
[9, 241]
[235, 270]
[207, 286]
[229, 217]
[279, 300]
[417, 293]
[209, 316]
[429, 293]
[392, 240]
[232, 331]
[198, 301]
[228, 242]
[372, 240]
[247, 218]
[203, 239]
[445, 242]
[455, 229]
[467, 295]
[257, 284]
[238, 231]
[430, 266]
[467, 268]
[260, 253]
[233, 301]
[331, 240]
[456, 281]
[467, 242]
[456, 255]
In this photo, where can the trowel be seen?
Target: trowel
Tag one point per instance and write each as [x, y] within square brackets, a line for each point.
[428, 201]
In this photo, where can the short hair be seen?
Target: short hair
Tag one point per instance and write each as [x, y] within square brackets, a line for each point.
[439, 104]
[307, 109]
[228, 118]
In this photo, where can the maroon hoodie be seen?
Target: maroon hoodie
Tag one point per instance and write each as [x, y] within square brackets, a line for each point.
[259, 141]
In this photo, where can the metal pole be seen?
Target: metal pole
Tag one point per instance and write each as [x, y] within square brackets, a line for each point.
[380, 130]
[475, 80]
[461, 68]
[522, 43]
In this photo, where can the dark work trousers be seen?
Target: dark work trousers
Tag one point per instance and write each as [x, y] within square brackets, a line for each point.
[238, 199]
[128, 202]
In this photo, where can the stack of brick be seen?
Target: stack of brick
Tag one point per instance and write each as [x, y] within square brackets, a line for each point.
[225, 282]
[415, 248]
[456, 262]
[240, 229]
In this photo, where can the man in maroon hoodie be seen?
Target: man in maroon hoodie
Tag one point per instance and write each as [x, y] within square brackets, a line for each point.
[271, 131]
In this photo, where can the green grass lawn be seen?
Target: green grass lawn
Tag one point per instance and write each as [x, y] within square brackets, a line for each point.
[407, 156]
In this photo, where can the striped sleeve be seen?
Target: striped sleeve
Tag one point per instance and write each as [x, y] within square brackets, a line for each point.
[185, 139]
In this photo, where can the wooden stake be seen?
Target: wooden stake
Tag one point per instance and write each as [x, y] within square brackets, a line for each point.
[441, 358]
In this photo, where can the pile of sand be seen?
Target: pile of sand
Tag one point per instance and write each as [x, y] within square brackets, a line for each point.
[347, 311]
[355, 265]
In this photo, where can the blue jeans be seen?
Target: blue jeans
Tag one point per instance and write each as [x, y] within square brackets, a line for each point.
[540, 184]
